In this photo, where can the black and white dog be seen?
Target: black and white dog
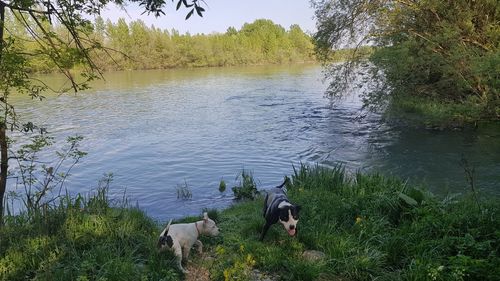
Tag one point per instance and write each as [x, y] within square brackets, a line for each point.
[278, 208]
[181, 237]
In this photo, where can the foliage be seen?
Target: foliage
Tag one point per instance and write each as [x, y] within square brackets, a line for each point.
[369, 227]
[222, 186]
[433, 113]
[247, 188]
[440, 51]
[83, 238]
[43, 183]
[136, 46]
[241, 268]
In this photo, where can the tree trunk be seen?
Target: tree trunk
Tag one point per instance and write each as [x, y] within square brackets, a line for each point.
[3, 125]
[4, 166]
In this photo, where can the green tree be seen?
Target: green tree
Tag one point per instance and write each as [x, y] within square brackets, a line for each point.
[120, 39]
[442, 51]
[300, 41]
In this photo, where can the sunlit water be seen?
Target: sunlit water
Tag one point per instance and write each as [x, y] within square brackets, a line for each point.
[156, 130]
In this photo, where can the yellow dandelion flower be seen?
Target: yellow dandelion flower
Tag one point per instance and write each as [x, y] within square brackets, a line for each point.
[227, 274]
[219, 250]
[250, 260]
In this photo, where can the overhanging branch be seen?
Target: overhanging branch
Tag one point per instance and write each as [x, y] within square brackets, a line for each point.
[21, 9]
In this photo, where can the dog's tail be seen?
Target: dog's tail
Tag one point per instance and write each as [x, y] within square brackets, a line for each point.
[163, 235]
[286, 181]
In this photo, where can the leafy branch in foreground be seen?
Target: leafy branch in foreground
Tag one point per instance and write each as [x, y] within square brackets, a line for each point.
[42, 182]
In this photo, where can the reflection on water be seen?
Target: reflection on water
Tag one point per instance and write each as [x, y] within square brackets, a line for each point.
[156, 130]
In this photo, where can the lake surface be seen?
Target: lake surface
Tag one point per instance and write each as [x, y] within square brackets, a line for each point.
[156, 130]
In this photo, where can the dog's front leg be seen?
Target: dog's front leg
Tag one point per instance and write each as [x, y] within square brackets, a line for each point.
[264, 230]
[199, 245]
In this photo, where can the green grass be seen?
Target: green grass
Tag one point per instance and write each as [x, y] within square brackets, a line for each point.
[436, 114]
[369, 227]
[83, 239]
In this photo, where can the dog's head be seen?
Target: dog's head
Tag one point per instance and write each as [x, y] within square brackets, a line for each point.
[289, 217]
[209, 227]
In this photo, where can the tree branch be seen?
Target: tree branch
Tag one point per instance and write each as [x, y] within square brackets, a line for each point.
[21, 9]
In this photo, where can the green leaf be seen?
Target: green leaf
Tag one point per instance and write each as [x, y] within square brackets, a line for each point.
[410, 201]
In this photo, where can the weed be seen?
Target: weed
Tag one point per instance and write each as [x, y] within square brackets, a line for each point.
[183, 192]
[42, 184]
[222, 186]
[247, 188]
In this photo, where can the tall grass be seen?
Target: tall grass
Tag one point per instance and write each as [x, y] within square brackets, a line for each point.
[83, 238]
[369, 227]
[433, 113]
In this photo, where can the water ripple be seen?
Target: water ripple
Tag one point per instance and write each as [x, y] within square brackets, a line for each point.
[156, 130]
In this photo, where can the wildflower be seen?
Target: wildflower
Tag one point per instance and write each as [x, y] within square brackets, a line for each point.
[242, 248]
[358, 220]
[250, 260]
[227, 274]
[219, 250]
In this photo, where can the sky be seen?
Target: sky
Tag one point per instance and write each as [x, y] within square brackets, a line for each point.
[221, 14]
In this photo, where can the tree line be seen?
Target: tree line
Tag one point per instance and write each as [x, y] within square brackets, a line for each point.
[134, 45]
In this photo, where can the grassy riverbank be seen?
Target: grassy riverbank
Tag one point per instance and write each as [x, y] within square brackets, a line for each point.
[368, 226]
[437, 114]
[83, 239]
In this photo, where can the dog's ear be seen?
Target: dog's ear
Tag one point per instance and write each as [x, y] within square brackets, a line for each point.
[205, 216]
[298, 208]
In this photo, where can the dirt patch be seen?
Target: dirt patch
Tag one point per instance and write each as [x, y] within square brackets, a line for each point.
[258, 275]
[197, 273]
[313, 256]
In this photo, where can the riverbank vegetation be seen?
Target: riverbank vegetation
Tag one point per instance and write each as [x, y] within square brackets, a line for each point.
[134, 45]
[82, 238]
[367, 225]
[445, 53]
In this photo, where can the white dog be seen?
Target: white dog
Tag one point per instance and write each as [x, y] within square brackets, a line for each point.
[180, 238]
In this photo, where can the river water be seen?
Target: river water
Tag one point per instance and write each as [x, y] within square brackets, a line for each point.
[157, 130]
